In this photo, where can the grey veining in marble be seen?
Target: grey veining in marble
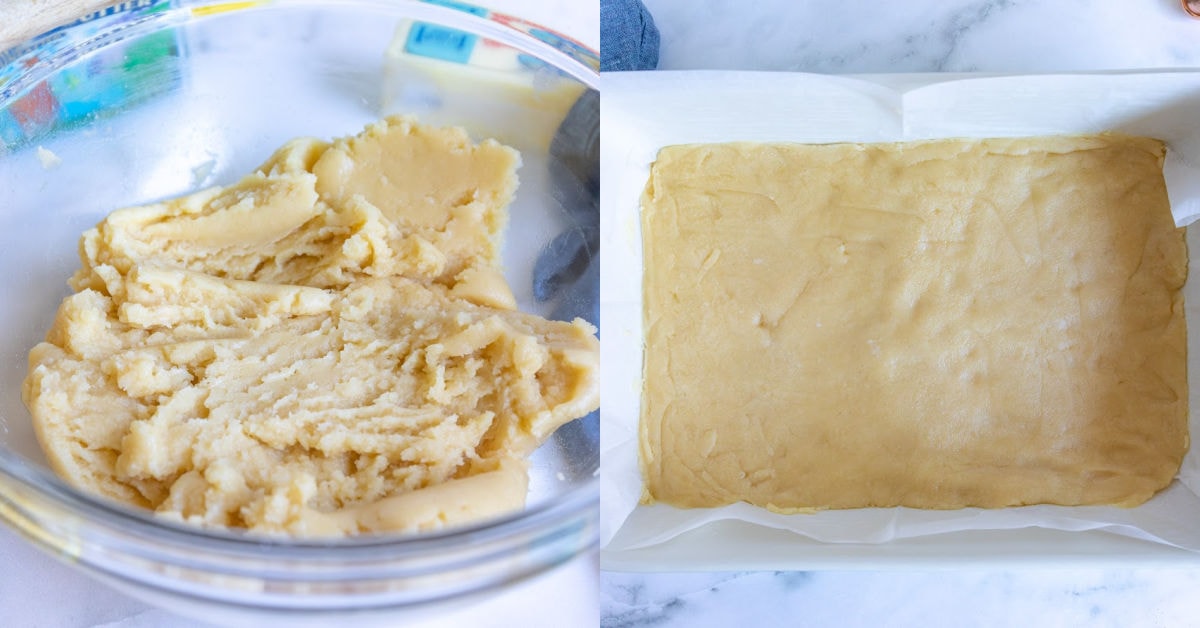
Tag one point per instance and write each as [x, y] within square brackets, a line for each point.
[833, 36]
[1068, 597]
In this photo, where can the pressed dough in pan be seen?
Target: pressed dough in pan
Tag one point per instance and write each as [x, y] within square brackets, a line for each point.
[935, 324]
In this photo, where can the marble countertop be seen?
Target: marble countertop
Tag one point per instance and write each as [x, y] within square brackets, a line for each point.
[1068, 597]
[925, 35]
[38, 591]
[830, 36]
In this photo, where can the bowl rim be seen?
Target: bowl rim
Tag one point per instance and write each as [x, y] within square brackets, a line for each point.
[121, 22]
[116, 515]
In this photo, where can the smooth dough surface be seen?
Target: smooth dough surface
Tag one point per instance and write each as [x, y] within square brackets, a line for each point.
[327, 347]
[934, 324]
[397, 199]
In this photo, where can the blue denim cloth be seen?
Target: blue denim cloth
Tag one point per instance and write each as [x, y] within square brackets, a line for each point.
[566, 269]
[562, 269]
[628, 36]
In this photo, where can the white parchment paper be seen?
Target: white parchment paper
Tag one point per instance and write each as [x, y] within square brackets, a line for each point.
[642, 112]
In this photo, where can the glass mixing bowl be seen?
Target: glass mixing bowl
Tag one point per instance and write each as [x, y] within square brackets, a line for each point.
[154, 99]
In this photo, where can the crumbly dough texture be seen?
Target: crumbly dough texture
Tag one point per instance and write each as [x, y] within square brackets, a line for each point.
[935, 324]
[233, 359]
